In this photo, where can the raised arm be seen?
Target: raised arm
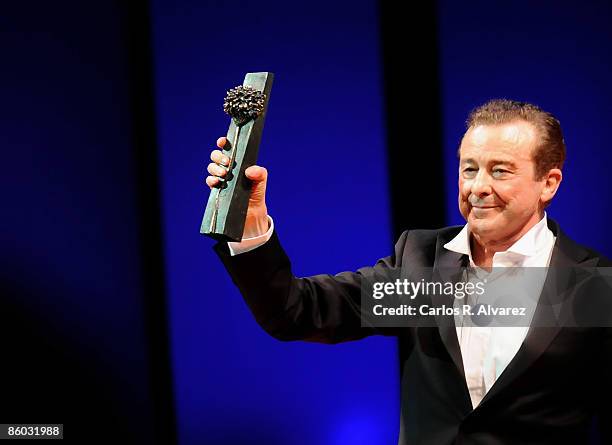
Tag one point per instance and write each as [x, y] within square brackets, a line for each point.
[321, 308]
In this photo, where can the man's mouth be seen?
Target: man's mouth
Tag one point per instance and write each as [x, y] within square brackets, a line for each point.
[483, 211]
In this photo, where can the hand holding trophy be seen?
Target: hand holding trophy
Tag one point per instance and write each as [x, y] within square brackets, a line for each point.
[230, 197]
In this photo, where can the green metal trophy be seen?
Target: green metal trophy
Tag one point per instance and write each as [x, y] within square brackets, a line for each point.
[228, 202]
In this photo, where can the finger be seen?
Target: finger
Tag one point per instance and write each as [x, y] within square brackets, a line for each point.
[221, 141]
[256, 173]
[216, 170]
[212, 181]
[219, 158]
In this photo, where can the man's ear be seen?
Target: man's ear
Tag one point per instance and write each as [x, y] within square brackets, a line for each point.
[552, 181]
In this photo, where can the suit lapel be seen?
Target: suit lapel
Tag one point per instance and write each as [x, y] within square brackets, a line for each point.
[447, 268]
[566, 254]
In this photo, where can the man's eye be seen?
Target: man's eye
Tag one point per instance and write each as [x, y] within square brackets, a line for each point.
[499, 172]
[469, 173]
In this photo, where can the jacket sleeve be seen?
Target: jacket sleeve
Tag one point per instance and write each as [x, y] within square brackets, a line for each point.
[321, 308]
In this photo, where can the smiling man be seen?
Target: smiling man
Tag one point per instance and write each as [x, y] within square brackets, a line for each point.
[510, 163]
[460, 384]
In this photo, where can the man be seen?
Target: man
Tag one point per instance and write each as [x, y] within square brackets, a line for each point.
[460, 384]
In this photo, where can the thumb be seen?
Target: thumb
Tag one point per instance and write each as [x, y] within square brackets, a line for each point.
[256, 173]
[259, 176]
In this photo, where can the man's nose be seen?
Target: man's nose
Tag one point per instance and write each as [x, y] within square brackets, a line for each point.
[481, 186]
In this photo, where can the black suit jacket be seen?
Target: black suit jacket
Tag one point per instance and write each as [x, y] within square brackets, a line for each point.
[558, 383]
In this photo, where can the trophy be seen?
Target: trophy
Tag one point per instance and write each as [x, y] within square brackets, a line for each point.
[228, 202]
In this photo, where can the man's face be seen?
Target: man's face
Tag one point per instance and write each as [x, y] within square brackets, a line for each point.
[498, 194]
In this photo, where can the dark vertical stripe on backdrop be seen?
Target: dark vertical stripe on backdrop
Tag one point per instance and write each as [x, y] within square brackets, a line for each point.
[144, 140]
[413, 117]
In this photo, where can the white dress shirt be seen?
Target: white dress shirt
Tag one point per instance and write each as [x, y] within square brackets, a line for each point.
[247, 244]
[486, 351]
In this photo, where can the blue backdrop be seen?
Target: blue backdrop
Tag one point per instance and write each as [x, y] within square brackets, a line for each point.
[556, 55]
[324, 148]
